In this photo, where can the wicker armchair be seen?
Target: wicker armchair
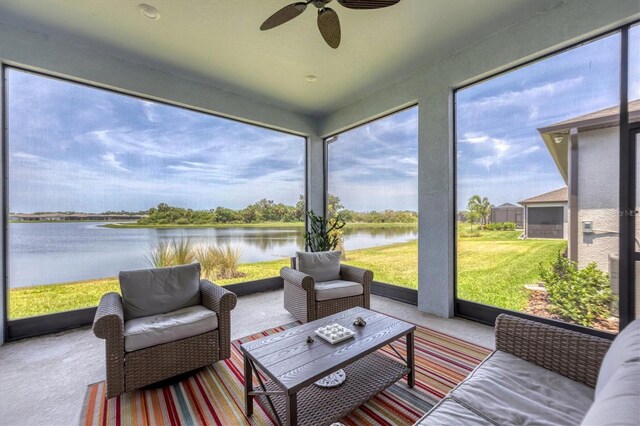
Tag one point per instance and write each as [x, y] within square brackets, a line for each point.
[129, 370]
[300, 293]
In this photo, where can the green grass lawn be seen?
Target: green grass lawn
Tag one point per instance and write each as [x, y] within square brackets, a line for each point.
[493, 267]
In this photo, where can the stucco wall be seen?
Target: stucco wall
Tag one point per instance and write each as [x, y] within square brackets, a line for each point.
[598, 195]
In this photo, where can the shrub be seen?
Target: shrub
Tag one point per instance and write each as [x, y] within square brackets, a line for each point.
[183, 251]
[215, 262]
[227, 261]
[499, 226]
[208, 258]
[580, 295]
[161, 255]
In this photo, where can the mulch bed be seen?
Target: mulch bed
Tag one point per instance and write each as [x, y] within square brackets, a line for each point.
[539, 306]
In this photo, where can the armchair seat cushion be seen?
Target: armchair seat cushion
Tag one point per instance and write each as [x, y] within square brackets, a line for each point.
[144, 332]
[337, 289]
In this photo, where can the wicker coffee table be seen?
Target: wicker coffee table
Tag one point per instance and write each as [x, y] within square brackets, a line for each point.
[292, 365]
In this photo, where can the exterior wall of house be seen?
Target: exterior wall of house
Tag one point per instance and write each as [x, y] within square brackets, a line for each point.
[598, 195]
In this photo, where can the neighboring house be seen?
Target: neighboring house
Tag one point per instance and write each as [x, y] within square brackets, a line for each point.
[586, 151]
[508, 212]
[546, 215]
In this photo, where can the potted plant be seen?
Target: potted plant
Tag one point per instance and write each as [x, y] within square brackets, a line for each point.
[323, 234]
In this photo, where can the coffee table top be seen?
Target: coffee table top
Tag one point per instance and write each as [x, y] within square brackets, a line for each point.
[292, 363]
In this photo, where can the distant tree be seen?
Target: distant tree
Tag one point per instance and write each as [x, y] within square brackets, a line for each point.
[334, 206]
[300, 209]
[479, 209]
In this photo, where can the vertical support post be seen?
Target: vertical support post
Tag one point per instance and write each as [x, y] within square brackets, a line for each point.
[248, 386]
[292, 410]
[573, 194]
[411, 378]
[4, 227]
[316, 191]
[436, 213]
[626, 275]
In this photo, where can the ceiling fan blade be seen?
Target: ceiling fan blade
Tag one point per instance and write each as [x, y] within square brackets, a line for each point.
[329, 26]
[367, 4]
[285, 14]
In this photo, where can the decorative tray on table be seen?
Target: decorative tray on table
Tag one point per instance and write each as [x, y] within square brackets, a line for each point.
[334, 333]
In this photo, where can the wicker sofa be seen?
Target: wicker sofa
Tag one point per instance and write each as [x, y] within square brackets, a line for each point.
[541, 374]
[309, 299]
[189, 326]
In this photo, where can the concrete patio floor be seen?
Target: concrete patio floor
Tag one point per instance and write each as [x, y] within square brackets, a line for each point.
[43, 379]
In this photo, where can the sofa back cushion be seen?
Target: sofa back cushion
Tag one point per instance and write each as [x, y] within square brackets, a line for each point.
[155, 291]
[618, 403]
[322, 265]
[625, 347]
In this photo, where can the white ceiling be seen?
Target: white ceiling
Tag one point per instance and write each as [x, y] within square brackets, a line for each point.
[219, 42]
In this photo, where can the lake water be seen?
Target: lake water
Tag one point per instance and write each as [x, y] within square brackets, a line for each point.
[46, 253]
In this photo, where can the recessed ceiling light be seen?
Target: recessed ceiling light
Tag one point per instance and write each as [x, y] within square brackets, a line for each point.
[149, 11]
[311, 78]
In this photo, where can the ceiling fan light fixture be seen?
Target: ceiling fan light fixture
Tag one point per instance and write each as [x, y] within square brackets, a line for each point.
[149, 12]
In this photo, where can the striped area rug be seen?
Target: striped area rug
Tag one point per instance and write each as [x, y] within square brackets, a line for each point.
[214, 395]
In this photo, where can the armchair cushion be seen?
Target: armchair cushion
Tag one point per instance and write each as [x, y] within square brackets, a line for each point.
[625, 348]
[322, 265]
[147, 292]
[144, 332]
[336, 289]
[617, 404]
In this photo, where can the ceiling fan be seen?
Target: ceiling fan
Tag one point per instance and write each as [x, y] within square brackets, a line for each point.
[328, 22]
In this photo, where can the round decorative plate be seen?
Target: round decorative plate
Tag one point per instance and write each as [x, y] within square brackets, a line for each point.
[332, 380]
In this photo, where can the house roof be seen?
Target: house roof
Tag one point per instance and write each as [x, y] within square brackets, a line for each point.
[607, 117]
[506, 205]
[600, 119]
[556, 196]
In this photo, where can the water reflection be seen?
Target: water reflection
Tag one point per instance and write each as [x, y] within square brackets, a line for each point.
[44, 253]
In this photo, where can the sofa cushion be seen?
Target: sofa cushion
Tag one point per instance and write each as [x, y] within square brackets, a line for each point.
[618, 403]
[322, 265]
[625, 347]
[510, 390]
[336, 289]
[147, 292]
[451, 412]
[144, 332]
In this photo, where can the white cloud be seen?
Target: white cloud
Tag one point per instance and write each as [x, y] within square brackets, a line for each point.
[110, 159]
[527, 96]
[474, 138]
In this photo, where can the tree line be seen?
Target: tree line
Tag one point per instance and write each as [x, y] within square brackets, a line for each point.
[267, 211]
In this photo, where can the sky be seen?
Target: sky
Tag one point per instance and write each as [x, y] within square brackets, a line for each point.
[500, 153]
[76, 148]
[73, 147]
